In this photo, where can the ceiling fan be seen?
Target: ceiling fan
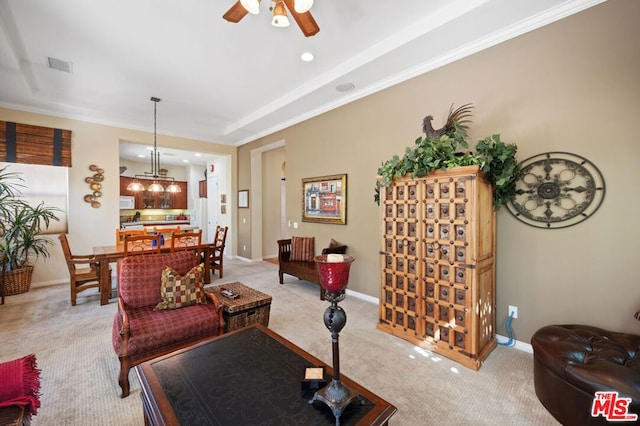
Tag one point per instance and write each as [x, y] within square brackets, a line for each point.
[299, 9]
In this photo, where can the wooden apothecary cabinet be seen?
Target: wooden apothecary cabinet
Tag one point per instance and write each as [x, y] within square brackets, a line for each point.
[437, 285]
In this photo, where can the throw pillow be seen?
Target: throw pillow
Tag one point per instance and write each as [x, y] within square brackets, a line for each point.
[179, 291]
[302, 248]
[20, 384]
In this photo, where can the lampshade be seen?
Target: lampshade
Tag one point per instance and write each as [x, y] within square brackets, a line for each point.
[155, 187]
[252, 6]
[174, 187]
[302, 6]
[279, 16]
[135, 186]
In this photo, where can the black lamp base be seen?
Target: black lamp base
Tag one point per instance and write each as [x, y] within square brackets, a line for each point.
[336, 396]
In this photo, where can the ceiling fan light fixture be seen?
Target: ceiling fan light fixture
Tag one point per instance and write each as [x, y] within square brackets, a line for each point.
[252, 6]
[280, 18]
[302, 6]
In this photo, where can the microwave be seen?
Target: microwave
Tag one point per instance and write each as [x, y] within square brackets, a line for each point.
[127, 202]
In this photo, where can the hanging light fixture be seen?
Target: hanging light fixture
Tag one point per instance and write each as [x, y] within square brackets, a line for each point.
[252, 6]
[302, 6]
[279, 15]
[155, 164]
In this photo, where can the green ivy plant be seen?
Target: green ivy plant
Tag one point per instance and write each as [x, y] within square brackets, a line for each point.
[494, 157]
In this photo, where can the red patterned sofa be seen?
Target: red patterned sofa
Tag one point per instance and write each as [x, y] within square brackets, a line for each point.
[147, 324]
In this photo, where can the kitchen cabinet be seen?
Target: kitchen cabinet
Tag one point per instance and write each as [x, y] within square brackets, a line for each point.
[124, 182]
[156, 200]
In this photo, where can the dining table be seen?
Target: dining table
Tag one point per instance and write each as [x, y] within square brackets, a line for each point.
[105, 255]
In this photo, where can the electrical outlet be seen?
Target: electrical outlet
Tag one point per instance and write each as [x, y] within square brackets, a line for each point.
[513, 309]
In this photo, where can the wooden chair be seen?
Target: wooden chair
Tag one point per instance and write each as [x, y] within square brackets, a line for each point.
[187, 241]
[216, 257]
[121, 233]
[167, 232]
[141, 244]
[81, 278]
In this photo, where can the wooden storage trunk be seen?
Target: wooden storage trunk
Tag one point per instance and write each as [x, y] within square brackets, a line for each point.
[252, 306]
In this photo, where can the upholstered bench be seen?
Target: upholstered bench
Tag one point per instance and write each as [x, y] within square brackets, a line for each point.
[295, 257]
[572, 362]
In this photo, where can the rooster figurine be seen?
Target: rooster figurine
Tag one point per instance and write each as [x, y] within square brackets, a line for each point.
[460, 116]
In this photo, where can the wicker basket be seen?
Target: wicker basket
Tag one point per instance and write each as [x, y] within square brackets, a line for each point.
[18, 281]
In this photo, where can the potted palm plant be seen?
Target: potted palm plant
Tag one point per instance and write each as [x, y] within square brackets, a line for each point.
[21, 239]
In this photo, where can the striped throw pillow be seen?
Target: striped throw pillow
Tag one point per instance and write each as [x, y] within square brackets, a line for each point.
[179, 291]
[302, 248]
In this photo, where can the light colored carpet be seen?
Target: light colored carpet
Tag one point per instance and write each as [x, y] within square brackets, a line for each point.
[80, 369]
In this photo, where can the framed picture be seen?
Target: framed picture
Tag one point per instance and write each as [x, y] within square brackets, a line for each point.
[324, 199]
[243, 199]
[223, 198]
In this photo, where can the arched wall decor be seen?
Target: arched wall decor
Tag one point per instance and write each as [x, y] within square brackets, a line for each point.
[557, 190]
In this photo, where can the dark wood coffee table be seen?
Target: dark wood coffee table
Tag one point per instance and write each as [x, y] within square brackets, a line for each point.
[249, 376]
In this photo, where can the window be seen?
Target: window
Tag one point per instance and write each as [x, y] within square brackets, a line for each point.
[46, 184]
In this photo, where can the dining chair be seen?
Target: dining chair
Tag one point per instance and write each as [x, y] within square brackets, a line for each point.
[187, 241]
[173, 230]
[121, 233]
[216, 254]
[81, 278]
[141, 244]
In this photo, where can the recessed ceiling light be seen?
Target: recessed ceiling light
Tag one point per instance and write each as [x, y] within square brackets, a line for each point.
[307, 57]
[185, 161]
[345, 87]
[198, 154]
[141, 156]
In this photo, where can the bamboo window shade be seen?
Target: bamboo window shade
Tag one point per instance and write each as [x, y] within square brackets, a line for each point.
[24, 143]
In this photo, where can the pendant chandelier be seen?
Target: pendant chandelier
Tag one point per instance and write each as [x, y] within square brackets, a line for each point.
[154, 174]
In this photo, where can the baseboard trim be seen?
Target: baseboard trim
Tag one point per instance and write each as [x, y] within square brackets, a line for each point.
[362, 296]
[523, 346]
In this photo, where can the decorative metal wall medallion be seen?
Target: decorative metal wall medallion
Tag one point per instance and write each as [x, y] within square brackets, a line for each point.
[95, 185]
[557, 190]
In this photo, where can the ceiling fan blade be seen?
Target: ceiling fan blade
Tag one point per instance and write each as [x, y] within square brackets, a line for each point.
[235, 13]
[305, 20]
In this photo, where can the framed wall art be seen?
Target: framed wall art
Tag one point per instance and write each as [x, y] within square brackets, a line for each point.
[324, 199]
[243, 199]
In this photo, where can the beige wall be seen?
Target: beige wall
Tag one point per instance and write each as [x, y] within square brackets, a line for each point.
[571, 86]
[95, 144]
[272, 174]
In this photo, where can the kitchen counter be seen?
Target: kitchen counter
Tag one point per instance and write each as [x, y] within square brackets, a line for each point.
[159, 223]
